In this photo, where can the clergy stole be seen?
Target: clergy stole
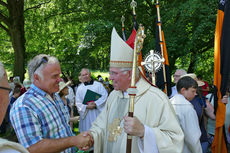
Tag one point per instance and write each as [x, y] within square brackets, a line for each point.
[115, 131]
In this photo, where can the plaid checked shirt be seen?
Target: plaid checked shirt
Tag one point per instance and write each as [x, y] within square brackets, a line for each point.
[36, 116]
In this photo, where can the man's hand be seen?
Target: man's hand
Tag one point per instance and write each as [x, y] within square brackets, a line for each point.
[59, 145]
[91, 105]
[133, 126]
[225, 99]
[86, 140]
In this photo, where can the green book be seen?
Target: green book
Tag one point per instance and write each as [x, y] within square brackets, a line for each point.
[91, 96]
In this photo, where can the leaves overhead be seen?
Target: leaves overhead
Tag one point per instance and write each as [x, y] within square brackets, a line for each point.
[78, 31]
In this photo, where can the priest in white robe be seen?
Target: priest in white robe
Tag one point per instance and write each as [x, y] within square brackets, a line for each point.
[154, 127]
[89, 112]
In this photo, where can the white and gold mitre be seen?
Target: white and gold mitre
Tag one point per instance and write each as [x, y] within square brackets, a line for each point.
[121, 54]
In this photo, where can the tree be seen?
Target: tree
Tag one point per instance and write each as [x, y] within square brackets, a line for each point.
[78, 32]
[12, 22]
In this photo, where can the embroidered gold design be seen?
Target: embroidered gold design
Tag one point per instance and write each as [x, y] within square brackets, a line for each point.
[114, 130]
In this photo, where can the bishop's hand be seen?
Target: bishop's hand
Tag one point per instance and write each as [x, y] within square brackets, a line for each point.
[133, 126]
[87, 141]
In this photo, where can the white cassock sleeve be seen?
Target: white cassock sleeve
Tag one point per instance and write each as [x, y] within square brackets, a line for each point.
[101, 101]
[148, 143]
[192, 133]
[80, 93]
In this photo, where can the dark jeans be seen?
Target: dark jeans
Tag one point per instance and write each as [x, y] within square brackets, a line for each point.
[204, 146]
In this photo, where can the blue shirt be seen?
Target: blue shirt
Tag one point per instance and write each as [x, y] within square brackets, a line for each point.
[36, 116]
[199, 104]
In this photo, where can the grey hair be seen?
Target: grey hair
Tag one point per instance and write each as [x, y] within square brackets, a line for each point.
[2, 70]
[85, 69]
[36, 61]
[182, 71]
[124, 71]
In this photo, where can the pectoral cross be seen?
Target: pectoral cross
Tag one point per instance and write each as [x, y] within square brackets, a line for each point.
[153, 62]
[114, 130]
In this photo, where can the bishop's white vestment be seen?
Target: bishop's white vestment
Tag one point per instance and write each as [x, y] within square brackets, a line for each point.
[153, 109]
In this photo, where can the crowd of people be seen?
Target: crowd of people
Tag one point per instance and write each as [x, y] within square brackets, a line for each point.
[41, 110]
[203, 104]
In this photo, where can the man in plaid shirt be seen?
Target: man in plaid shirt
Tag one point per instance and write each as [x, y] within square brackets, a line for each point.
[39, 117]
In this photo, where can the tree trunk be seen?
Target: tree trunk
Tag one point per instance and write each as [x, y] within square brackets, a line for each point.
[192, 63]
[17, 34]
[172, 66]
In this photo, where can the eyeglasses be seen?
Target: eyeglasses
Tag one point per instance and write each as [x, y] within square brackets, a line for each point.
[43, 60]
[177, 76]
[112, 73]
[4, 88]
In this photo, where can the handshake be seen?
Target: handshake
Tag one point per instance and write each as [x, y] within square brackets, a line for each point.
[84, 141]
[132, 126]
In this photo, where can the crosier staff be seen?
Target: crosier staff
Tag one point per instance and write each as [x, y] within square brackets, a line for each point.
[138, 44]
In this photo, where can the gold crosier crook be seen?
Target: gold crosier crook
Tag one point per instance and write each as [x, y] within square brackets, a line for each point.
[161, 42]
[138, 45]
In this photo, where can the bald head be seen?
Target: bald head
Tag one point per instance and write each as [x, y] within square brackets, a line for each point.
[178, 74]
[85, 75]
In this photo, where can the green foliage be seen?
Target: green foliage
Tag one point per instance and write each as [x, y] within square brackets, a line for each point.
[78, 32]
